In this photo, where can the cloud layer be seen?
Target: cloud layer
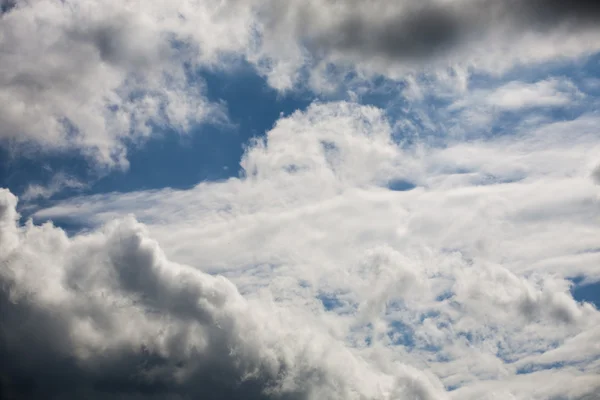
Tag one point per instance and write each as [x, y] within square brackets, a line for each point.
[106, 314]
[426, 251]
[466, 277]
[100, 76]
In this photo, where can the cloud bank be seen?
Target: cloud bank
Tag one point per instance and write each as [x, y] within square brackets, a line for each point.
[465, 277]
[106, 314]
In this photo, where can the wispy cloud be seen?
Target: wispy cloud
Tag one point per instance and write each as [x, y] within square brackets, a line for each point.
[58, 183]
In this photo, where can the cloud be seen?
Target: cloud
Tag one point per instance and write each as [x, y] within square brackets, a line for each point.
[6, 6]
[515, 96]
[98, 76]
[106, 314]
[465, 276]
[415, 30]
[58, 183]
[306, 277]
[396, 38]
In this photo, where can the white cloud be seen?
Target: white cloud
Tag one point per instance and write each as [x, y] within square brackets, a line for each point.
[514, 96]
[118, 317]
[520, 96]
[59, 182]
[93, 76]
[462, 277]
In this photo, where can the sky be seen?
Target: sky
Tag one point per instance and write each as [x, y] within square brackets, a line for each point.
[300, 200]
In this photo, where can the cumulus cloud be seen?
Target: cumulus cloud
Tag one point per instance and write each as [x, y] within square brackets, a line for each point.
[97, 76]
[465, 277]
[106, 314]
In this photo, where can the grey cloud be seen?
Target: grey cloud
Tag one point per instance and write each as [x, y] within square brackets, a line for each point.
[7, 5]
[95, 77]
[596, 175]
[416, 31]
[37, 347]
[106, 315]
[418, 34]
[551, 12]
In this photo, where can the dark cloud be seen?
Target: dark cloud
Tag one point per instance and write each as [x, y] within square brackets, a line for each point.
[38, 359]
[186, 339]
[422, 30]
[596, 175]
[549, 13]
[416, 34]
[7, 5]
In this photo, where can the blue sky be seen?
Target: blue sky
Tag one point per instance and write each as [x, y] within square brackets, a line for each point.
[359, 200]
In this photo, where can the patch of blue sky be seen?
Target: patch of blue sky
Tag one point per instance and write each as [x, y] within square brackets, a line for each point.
[169, 158]
[528, 369]
[208, 152]
[446, 295]
[22, 165]
[401, 334]
[338, 303]
[401, 185]
[331, 302]
[586, 291]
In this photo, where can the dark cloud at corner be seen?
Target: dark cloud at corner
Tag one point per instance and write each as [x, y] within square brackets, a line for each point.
[7, 5]
[422, 30]
[550, 12]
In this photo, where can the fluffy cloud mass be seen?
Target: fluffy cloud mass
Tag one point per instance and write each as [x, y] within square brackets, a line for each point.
[418, 229]
[106, 314]
[465, 277]
[96, 76]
